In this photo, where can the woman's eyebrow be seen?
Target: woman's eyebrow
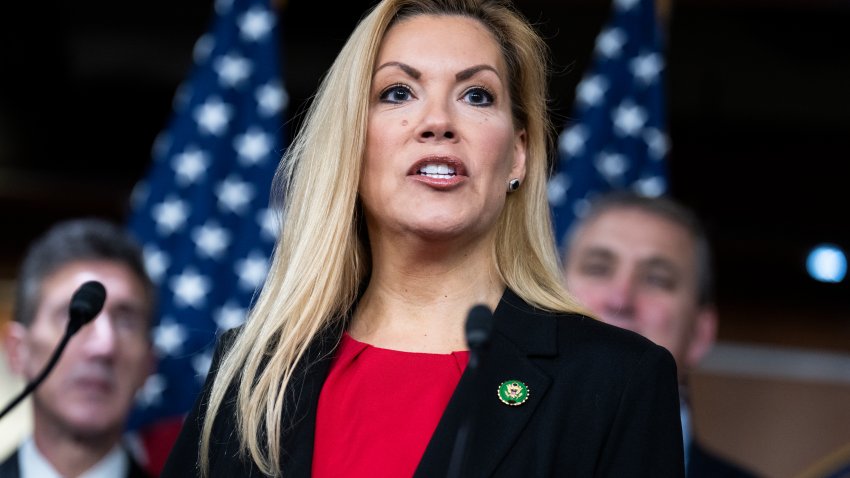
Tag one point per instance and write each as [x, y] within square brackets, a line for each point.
[412, 72]
[467, 73]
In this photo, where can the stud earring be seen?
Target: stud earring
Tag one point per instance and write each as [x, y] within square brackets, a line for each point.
[513, 185]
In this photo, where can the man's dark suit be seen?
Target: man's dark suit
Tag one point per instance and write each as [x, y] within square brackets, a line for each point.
[10, 468]
[603, 402]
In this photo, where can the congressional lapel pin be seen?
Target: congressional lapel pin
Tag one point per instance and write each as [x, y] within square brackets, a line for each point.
[513, 392]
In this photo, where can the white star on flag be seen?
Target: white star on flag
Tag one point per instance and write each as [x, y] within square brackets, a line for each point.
[168, 337]
[591, 91]
[252, 270]
[190, 165]
[255, 24]
[156, 262]
[611, 165]
[625, 5]
[234, 194]
[556, 189]
[232, 69]
[160, 145]
[572, 141]
[211, 239]
[140, 193]
[646, 67]
[653, 186]
[657, 142]
[182, 97]
[203, 47]
[610, 42]
[269, 221]
[201, 363]
[151, 392]
[170, 215]
[222, 7]
[271, 98]
[581, 207]
[629, 119]
[190, 289]
[229, 316]
[213, 116]
[252, 147]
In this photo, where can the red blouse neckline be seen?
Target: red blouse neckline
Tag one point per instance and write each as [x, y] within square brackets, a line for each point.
[379, 407]
[347, 337]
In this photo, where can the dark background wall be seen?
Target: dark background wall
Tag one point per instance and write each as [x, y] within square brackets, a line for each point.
[758, 104]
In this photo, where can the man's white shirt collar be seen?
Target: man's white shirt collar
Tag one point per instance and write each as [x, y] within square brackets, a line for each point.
[34, 465]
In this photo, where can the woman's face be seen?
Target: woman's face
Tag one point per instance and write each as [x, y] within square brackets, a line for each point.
[441, 142]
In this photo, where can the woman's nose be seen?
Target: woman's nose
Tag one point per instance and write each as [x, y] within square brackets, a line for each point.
[437, 123]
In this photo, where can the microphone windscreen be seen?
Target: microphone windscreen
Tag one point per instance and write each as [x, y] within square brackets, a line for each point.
[479, 325]
[86, 303]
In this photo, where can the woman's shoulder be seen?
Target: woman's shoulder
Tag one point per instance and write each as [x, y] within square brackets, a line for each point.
[577, 330]
[223, 342]
[579, 336]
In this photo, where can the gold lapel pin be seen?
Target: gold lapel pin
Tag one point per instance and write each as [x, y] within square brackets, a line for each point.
[513, 392]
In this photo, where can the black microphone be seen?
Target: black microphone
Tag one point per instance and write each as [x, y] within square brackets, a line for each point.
[479, 328]
[86, 303]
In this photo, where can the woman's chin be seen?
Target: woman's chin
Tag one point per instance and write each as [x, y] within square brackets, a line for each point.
[446, 231]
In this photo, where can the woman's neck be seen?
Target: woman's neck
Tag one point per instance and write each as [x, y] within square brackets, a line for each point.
[418, 297]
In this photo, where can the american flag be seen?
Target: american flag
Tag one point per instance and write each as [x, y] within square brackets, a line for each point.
[617, 138]
[202, 213]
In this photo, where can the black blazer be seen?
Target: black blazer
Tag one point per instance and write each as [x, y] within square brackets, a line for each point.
[603, 402]
[11, 469]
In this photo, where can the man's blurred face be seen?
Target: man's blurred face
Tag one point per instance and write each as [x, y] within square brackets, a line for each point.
[90, 391]
[638, 271]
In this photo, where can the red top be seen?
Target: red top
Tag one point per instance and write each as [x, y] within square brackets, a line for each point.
[378, 409]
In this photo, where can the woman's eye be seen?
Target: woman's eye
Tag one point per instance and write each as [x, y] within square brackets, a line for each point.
[478, 96]
[396, 94]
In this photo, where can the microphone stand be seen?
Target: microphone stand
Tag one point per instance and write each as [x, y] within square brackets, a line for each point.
[460, 446]
[479, 325]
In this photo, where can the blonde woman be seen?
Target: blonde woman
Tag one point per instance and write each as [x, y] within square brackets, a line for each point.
[414, 191]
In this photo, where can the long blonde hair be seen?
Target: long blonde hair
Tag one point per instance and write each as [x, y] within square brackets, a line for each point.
[321, 258]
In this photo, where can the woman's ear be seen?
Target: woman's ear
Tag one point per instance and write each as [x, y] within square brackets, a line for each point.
[520, 152]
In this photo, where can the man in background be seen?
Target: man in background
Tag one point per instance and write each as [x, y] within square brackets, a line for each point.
[80, 410]
[644, 264]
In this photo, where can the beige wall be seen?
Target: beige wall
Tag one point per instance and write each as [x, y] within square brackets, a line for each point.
[777, 410]
[18, 423]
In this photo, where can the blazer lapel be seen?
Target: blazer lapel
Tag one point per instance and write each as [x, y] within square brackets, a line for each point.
[495, 425]
[299, 426]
